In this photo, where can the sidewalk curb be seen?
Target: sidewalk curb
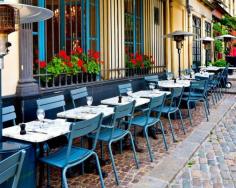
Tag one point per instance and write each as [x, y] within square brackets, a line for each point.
[166, 170]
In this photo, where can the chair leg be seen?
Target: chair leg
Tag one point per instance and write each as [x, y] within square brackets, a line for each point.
[133, 148]
[163, 135]
[148, 143]
[171, 128]
[101, 149]
[113, 163]
[212, 95]
[63, 178]
[189, 113]
[182, 122]
[121, 146]
[208, 106]
[205, 107]
[99, 170]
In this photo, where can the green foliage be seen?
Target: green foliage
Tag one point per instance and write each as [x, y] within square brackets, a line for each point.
[191, 163]
[56, 66]
[92, 67]
[218, 46]
[220, 63]
[220, 29]
[229, 22]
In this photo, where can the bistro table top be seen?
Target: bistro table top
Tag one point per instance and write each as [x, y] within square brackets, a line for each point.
[211, 68]
[125, 99]
[171, 84]
[37, 132]
[150, 93]
[86, 112]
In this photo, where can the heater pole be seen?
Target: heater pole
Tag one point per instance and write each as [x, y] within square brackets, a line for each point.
[179, 52]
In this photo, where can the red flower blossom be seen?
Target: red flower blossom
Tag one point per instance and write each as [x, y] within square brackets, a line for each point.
[69, 64]
[80, 63]
[90, 53]
[62, 54]
[139, 58]
[84, 69]
[133, 61]
[132, 55]
[79, 50]
[42, 64]
[96, 55]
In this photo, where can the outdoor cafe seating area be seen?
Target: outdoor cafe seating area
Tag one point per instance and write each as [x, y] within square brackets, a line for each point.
[88, 133]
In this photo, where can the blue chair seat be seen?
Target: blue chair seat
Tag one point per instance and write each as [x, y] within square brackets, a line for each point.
[141, 121]
[165, 109]
[58, 159]
[193, 98]
[192, 94]
[105, 134]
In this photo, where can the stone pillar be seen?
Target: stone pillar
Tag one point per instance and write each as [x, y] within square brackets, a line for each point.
[26, 84]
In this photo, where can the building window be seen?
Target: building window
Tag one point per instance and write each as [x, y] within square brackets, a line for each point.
[133, 26]
[208, 34]
[73, 20]
[197, 44]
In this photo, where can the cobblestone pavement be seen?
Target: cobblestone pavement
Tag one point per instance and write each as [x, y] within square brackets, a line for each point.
[126, 168]
[214, 163]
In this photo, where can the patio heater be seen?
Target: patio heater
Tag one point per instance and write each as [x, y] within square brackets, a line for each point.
[226, 39]
[11, 16]
[207, 44]
[178, 37]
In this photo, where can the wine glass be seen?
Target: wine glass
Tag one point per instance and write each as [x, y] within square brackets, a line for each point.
[40, 115]
[152, 86]
[89, 100]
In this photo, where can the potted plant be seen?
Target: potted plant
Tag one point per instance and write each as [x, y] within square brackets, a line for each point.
[92, 64]
[138, 64]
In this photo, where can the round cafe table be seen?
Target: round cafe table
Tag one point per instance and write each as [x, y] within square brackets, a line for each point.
[171, 84]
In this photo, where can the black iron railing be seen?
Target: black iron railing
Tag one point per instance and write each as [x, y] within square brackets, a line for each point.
[47, 81]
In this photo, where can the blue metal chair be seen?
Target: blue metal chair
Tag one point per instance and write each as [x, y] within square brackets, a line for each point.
[124, 87]
[173, 107]
[112, 133]
[77, 94]
[69, 156]
[9, 114]
[52, 103]
[197, 93]
[145, 120]
[11, 167]
[152, 79]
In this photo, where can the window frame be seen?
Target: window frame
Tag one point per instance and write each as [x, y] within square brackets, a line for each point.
[135, 18]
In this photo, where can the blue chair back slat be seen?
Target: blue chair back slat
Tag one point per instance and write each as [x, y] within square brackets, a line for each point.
[83, 128]
[52, 103]
[124, 110]
[78, 94]
[157, 101]
[199, 86]
[123, 88]
[176, 96]
[8, 114]
[11, 167]
[153, 78]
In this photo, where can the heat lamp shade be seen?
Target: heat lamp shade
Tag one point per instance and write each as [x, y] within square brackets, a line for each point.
[28, 13]
[179, 33]
[222, 37]
[206, 39]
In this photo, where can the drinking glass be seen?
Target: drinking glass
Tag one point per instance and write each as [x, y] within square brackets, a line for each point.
[129, 92]
[40, 116]
[89, 100]
[152, 86]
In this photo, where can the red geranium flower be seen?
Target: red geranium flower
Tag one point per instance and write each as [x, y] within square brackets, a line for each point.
[84, 69]
[69, 64]
[90, 53]
[79, 50]
[96, 55]
[133, 61]
[139, 57]
[80, 63]
[42, 64]
[62, 54]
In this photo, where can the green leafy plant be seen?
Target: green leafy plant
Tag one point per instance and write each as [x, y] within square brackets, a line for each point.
[92, 62]
[220, 63]
[138, 61]
[229, 22]
[218, 46]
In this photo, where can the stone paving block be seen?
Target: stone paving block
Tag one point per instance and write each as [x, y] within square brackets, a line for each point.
[150, 182]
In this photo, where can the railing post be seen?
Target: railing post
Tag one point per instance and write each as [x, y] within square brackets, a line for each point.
[26, 84]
